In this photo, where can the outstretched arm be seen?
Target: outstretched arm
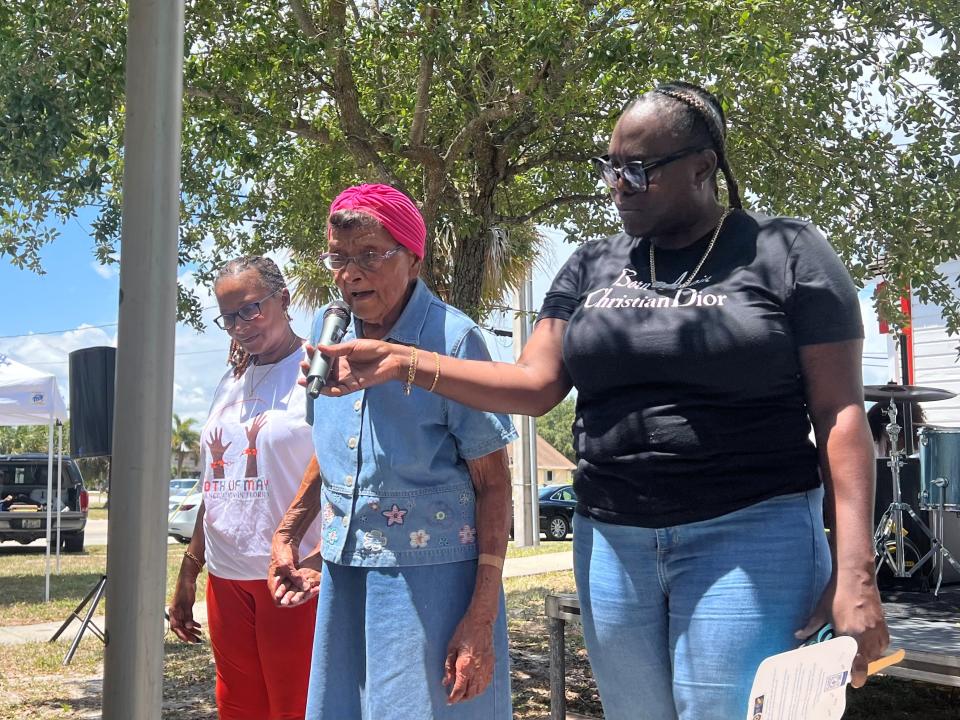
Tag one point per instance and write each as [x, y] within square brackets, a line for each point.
[531, 386]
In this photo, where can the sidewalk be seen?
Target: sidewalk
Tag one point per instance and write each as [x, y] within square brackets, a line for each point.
[41, 632]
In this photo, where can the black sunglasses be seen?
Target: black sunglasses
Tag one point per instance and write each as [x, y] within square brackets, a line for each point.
[250, 311]
[634, 173]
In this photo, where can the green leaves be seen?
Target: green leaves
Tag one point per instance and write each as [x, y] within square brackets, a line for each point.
[486, 113]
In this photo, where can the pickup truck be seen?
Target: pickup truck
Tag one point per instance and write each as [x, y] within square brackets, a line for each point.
[23, 500]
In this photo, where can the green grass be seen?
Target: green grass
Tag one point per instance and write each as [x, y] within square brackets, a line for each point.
[544, 548]
[21, 599]
[97, 513]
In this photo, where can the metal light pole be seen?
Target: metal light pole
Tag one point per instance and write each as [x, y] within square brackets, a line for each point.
[526, 512]
[136, 540]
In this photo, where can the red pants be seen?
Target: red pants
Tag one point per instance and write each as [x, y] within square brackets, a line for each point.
[262, 651]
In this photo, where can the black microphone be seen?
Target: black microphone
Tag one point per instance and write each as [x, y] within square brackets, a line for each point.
[335, 321]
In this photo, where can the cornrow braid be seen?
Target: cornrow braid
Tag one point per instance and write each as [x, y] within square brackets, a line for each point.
[709, 110]
[272, 280]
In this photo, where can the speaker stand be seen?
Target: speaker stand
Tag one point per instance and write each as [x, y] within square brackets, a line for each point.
[93, 597]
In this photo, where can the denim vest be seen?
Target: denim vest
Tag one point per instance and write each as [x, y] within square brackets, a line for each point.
[396, 488]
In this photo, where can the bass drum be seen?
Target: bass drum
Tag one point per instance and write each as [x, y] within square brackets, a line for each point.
[940, 458]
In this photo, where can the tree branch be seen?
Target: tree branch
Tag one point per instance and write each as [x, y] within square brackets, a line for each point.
[304, 19]
[425, 76]
[556, 202]
[364, 139]
[247, 110]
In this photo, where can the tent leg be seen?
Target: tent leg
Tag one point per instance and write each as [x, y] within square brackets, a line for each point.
[59, 489]
[49, 499]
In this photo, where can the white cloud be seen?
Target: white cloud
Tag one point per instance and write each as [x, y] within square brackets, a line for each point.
[107, 272]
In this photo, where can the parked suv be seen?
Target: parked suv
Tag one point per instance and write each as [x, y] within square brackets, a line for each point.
[24, 517]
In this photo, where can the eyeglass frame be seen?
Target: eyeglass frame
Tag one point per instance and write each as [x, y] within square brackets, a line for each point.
[602, 164]
[221, 320]
[379, 257]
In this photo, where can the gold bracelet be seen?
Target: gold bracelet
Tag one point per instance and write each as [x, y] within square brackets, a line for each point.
[436, 377]
[411, 370]
[488, 559]
[196, 560]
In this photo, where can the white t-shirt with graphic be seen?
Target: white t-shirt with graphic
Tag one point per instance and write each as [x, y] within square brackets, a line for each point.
[256, 446]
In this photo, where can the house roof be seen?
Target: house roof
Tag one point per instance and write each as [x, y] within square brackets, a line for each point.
[548, 457]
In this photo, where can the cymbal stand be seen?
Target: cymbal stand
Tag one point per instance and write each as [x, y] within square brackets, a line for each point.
[891, 522]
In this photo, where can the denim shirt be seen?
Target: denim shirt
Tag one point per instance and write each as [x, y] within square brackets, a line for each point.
[396, 488]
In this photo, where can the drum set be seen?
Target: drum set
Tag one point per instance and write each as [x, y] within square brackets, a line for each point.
[939, 481]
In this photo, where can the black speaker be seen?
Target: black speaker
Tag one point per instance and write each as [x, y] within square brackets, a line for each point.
[910, 494]
[92, 372]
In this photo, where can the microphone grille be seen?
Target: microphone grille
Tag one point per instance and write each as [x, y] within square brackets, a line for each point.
[338, 308]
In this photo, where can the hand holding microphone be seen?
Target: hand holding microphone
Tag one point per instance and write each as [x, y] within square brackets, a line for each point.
[335, 321]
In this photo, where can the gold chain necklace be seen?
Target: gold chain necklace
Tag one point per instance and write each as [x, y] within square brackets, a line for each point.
[668, 286]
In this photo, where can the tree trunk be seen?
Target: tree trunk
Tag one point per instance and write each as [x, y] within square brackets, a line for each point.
[471, 254]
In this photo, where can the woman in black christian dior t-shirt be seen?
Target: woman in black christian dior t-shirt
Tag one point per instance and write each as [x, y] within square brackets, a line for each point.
[702, 342]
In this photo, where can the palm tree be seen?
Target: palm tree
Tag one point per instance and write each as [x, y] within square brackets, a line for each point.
[184, 439]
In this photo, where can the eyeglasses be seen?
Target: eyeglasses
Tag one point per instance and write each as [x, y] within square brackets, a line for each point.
[250, 311]
[369, 261]
[634, 173]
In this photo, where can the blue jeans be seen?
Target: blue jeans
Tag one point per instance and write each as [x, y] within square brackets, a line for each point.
[676, 620]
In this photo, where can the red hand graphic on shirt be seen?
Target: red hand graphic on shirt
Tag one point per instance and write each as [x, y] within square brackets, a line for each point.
[258, 422]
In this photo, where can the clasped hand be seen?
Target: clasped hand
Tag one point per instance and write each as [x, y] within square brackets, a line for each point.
[291, 582]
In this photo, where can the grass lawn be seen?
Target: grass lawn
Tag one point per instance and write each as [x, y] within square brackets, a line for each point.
[34, 686]
[543, 549]
[97, 513]
[21, 597]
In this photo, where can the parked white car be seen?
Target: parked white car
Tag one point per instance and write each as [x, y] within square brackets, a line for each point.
[183, 516]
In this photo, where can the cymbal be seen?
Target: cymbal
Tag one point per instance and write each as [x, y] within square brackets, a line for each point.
[916, 393]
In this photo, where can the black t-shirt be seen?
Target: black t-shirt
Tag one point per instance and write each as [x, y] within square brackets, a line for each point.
[690, 402]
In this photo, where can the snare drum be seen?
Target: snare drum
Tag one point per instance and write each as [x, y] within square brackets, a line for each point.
[939, 458]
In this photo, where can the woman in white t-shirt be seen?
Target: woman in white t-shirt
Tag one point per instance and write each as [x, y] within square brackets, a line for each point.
[255, 447]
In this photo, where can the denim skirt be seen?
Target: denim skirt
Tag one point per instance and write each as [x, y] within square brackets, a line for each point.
[381, 640]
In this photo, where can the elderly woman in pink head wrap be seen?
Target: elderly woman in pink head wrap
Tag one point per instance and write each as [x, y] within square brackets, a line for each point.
[413, 492]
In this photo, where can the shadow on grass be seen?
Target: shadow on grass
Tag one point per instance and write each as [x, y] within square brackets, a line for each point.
[67, 589]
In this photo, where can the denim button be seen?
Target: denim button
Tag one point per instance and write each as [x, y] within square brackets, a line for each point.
[357, 405]
[352, 443]
[348, 481]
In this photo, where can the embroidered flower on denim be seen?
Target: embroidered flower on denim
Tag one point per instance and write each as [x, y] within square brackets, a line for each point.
[328, 513]
[394, 515]
[443, 542]
[374, 505]
[465, 498]
[468, 535]
[331, 536]
[440, 514]
[374, 541]
[419, 538]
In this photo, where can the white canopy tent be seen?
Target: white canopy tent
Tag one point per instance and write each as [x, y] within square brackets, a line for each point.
[31, 397]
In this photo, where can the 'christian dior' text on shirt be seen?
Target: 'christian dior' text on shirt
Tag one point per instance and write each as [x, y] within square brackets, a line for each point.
[686, 297]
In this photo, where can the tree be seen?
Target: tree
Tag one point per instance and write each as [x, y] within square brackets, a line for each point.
[34, 438]
[184, 440]
[485, 114]
[556, 427]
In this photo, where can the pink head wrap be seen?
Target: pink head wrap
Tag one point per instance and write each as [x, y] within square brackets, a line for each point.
[394, 210]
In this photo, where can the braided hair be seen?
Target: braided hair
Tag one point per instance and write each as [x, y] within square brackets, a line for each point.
[272, 280]
[698, 114]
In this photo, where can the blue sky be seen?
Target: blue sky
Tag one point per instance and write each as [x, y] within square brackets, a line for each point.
[74, 305]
